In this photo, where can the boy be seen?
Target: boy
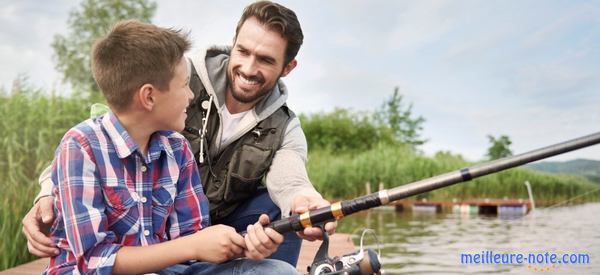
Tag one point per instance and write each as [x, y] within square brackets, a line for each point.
[128, 194]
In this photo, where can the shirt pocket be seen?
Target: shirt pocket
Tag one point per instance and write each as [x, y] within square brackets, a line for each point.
[119, 202]
[163, 199]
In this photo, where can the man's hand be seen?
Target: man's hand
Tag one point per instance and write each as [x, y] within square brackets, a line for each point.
[36, 224]
[261, 242]
[302, 204]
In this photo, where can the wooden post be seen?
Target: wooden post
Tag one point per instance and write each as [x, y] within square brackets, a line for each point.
[368, 187]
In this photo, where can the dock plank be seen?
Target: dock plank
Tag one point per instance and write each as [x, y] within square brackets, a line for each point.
[339, 244]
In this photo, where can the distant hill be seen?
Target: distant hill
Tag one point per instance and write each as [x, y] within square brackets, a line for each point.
[583, 167]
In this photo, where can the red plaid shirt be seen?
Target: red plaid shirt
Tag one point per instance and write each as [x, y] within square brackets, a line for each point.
[109, 195]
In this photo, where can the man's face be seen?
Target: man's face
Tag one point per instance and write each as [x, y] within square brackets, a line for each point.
[256, 62]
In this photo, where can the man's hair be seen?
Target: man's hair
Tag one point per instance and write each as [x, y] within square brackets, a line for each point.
[279, 19]
[133, 54]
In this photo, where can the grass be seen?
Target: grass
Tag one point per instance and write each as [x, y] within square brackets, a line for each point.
[31, 127]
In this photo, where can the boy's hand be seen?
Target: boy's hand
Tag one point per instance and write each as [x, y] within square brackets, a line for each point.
[217, 243]
[35, 226]
[301, 204]
[261, 242]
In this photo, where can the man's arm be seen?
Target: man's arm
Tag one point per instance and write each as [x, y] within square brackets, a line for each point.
[45, 181]
[287, 176]
[39, 218]
[287, 179]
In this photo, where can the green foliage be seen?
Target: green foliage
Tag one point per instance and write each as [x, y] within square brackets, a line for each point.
[31, 127]
[344, 131]
[92, 20]
[399, 119]
[499, 147]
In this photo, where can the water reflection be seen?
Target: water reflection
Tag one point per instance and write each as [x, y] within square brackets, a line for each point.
[431, 243]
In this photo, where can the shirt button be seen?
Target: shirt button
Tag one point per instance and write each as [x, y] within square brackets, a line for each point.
[144, 169]
[146, 232]
[143, 200]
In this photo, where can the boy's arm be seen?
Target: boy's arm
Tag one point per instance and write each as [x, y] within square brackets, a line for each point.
[191, 209]
[213, 244]
[81, 205]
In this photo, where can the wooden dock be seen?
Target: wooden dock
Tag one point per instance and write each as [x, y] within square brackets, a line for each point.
[339, 244]
[478, 206]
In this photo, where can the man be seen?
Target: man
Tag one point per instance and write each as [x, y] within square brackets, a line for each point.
[249, 136]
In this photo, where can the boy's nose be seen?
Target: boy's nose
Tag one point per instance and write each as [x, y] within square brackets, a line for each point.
[190, 94]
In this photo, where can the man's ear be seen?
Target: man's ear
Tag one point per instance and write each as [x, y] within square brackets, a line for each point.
[146, 96]
[289, 67]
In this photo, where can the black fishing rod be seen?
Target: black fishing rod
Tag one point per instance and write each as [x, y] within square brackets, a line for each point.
[340, 209]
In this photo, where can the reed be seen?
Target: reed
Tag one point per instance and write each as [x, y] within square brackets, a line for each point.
[343, 175]
[31, 126]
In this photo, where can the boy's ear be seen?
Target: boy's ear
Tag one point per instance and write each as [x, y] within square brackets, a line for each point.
[146, 96]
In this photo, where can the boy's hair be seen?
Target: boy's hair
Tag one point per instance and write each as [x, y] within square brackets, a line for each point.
[133, 54]
[279, 19]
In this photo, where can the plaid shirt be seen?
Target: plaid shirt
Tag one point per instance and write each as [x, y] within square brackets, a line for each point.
[109, 195]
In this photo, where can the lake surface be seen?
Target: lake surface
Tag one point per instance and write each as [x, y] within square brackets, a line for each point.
[432, 243]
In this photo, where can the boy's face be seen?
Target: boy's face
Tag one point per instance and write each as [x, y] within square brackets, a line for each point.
[170, 109]
[256, 61]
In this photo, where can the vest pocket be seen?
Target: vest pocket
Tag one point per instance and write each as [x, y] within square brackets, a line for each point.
[246, 170]
[240, 188]
[250, 162]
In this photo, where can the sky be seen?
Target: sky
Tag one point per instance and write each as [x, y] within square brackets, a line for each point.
[526, 69]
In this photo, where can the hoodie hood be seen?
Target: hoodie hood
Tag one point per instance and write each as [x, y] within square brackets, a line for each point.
[211, 65]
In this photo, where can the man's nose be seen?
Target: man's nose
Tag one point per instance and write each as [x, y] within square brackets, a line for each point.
[249, 66]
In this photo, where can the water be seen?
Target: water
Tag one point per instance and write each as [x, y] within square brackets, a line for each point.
[432, 243]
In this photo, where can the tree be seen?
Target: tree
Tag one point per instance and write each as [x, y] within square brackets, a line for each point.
[499, 147]
[343, 130]
[92, 20]
[399, 118]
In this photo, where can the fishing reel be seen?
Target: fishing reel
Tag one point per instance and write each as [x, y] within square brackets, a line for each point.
[360, 263]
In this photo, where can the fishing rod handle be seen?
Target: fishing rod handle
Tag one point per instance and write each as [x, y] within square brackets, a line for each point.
[333, 212]
[289, 224]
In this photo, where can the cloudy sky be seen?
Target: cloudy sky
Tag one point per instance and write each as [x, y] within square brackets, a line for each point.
[526, 69]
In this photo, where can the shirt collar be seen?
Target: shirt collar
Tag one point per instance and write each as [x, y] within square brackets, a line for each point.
[125, 145]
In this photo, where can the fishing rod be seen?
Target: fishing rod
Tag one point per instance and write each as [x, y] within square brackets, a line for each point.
[340, 209]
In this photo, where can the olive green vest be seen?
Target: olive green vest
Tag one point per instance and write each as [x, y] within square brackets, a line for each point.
[233, 175]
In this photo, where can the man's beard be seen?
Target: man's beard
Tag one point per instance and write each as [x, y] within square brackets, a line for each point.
[247, 98]
[242, 97]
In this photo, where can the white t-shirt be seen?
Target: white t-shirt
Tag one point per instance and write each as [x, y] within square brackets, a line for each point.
[230, 122]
